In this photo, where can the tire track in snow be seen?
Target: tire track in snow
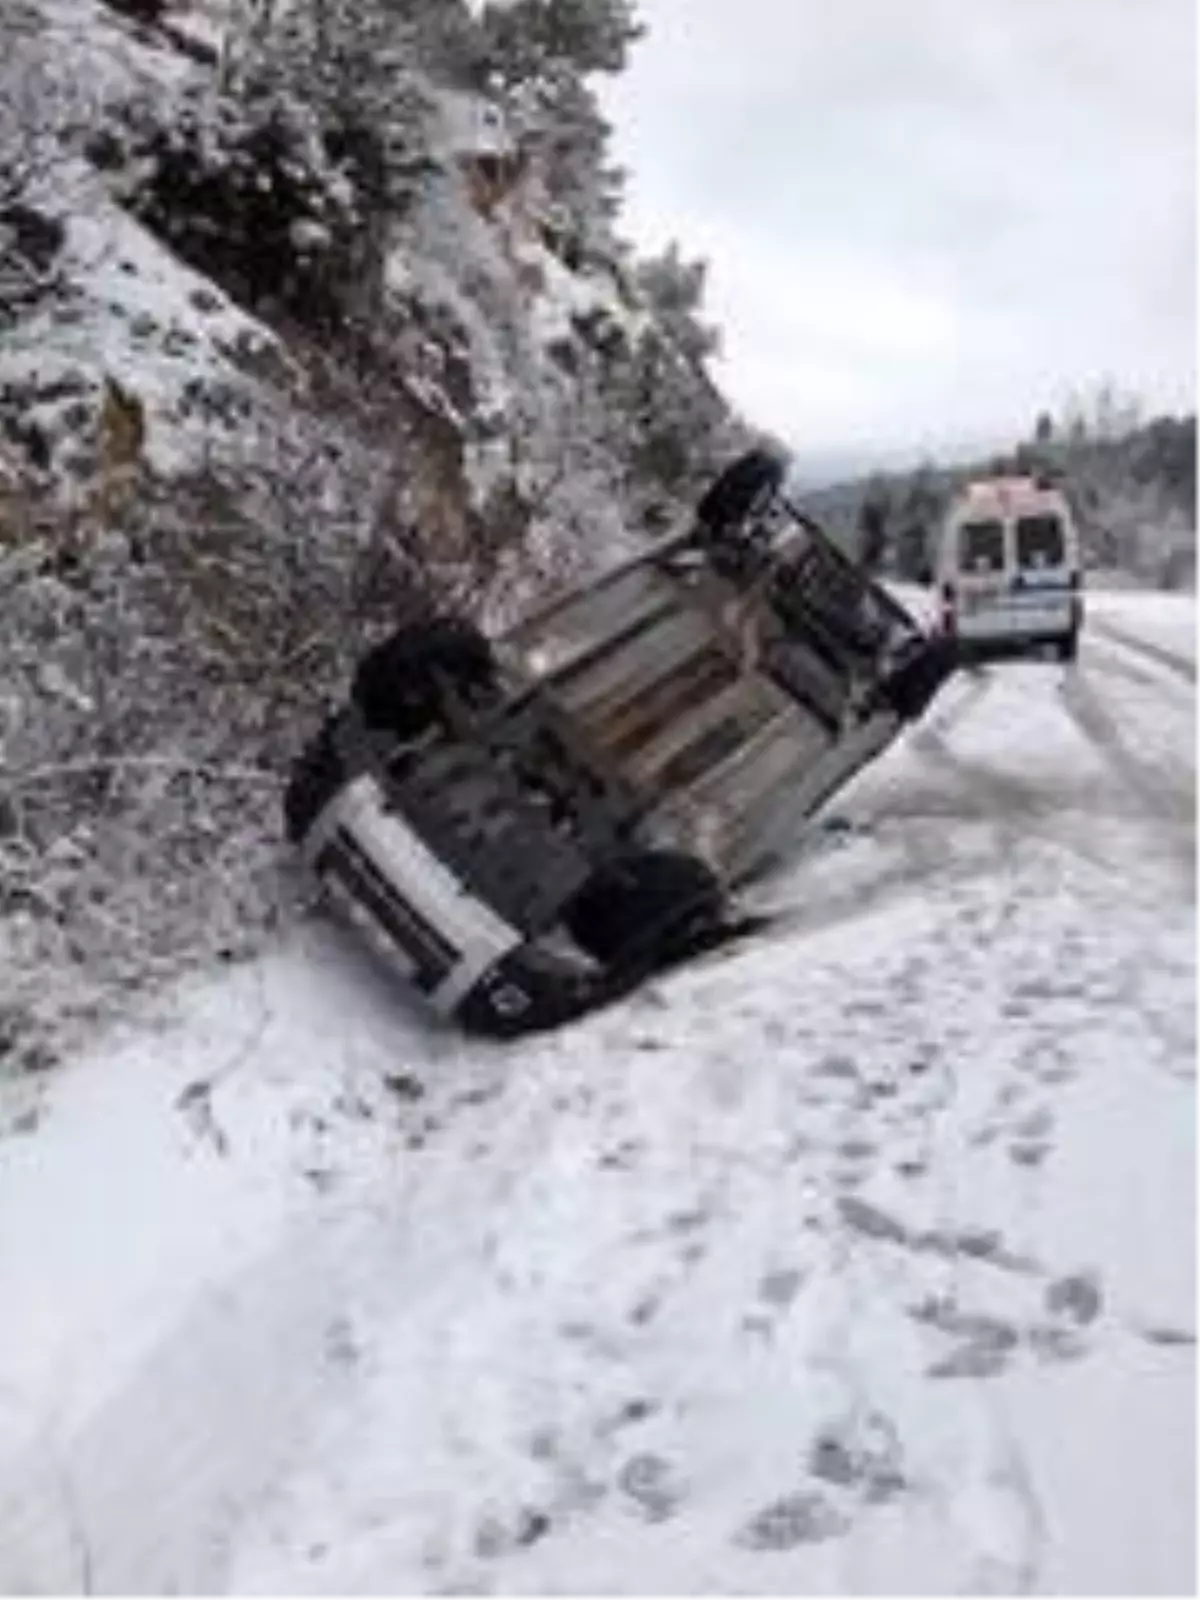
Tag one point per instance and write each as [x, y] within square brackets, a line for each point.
[922, 859]
[1165, 790]
[950, 712]
[1019, 807]
[162, 1473]
[1174, 661]
[921, 865]
[1109, 660]
[1162, 789]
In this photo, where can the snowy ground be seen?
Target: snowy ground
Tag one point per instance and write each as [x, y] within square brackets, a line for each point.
[859, 1259]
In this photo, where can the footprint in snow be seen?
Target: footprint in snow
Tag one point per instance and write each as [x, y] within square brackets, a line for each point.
[856, 1149]
[986, 1344]
[651, 1483]
[781, 1287]
[1037, 1124]
[871, 1221]
[836, 1067]
[807, 1517]
[987, 1244]
[865, 1457]
[971, 1361]
[1073, 1303]
[494, 1538]
[776, 1291]
[639, 1409]
[1171, 1338]
[1060, 1072]
[1077, 1298]
[1051, 1343]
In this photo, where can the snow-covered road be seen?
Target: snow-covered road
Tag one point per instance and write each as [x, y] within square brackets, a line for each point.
[860, 1258]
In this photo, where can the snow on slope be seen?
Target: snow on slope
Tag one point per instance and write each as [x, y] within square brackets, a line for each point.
[127, 308]
[138, 315]
[858, 1259]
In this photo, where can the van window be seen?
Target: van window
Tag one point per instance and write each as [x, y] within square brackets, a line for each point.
[1040, 542]
[981, 546]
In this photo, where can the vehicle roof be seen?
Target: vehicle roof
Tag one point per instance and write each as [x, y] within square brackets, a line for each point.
[1003, 496]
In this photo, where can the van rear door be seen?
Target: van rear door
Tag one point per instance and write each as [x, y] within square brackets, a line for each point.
[1046, 576]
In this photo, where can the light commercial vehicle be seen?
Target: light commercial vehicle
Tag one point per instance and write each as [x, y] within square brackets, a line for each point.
[1008, 570]
[528, 826]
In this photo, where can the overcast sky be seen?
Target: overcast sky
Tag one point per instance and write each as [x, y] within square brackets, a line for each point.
[926, 219]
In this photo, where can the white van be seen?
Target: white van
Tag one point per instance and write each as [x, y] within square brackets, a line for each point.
[1008, 570]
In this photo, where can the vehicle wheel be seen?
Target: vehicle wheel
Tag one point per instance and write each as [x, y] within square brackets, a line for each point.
[1068, 646]
[727, 503]
[647, 908]
[315, 779]
[396, 684]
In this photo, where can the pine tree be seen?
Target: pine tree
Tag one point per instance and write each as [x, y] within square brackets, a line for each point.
[538, 38]
[538, 55]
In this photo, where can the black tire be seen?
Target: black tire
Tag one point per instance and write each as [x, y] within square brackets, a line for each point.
[645, 909]
[316, 777]
[727, 503]
[396, 684]
[1068, 646]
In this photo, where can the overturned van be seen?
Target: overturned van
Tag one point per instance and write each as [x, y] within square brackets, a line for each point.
[529, 825]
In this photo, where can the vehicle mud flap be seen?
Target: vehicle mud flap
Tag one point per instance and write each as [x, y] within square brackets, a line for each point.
[913, 685]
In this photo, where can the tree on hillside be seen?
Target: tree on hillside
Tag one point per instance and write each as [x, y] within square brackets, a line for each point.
[918, 513]
[534, 39]
[674, 291]
[281, 178]
[538, 55]
[873, 525]
[1132, 482]
[676, 414]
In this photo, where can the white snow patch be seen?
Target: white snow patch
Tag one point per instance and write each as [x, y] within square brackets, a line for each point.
[140, 316]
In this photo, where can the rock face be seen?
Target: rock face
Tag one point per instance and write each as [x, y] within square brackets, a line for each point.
[257, 239]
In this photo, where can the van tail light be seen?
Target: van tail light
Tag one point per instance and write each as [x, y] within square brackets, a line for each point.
[948, 607]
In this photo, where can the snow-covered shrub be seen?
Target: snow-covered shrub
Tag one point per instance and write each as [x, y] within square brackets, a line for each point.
[249, 196]
[539, 54]
[158, 672]
[31, 238]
